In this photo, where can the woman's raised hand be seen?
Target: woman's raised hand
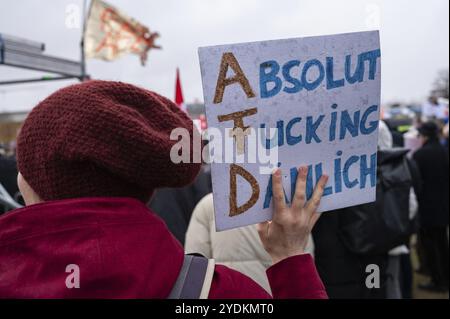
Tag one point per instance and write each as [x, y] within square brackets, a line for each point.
[288, 233]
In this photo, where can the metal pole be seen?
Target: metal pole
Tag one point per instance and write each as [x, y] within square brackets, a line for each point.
[83, 58]
[43, 79]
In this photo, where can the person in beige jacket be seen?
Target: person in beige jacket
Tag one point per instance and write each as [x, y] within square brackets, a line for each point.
[240, 248]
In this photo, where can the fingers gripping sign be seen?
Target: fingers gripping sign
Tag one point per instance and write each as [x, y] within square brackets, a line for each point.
[288, 233]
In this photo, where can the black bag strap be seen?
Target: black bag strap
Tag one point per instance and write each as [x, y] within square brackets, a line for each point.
[194, 279]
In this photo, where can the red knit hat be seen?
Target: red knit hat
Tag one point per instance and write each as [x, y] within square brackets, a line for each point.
[102, 138]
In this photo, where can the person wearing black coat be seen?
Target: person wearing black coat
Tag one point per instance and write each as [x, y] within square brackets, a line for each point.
[8, 177]
[8, 174]
[175, 205]
[432, 160]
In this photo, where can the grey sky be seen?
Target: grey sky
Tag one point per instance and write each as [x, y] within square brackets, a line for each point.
[414, 39]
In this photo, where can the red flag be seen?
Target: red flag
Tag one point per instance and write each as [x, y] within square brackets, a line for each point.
[179, 100]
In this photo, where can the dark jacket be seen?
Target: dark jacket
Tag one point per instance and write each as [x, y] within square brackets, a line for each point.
[342, 271]
[348, 240]
[175, 205]
[8, 174]
[432, 160]
[8, 177]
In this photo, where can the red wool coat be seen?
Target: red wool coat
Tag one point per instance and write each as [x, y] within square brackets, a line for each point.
[122, 251]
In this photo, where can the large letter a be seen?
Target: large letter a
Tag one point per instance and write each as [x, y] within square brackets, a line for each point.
[228, 60]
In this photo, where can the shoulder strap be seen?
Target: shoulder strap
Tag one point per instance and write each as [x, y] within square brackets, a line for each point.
[195, 278]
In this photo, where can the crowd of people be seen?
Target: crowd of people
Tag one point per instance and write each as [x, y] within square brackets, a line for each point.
[101, 192]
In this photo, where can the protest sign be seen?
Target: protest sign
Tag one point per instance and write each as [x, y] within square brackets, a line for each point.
[311, 101]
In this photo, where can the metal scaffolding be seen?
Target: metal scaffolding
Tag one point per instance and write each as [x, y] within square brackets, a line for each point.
[27, 54]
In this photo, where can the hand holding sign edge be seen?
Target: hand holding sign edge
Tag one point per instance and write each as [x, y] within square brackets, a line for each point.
[288, 233]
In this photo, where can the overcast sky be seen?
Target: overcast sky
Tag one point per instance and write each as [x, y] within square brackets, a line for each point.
[414, 39]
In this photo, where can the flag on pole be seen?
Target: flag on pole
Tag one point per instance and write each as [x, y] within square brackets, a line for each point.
[110, 34]
[179, 100]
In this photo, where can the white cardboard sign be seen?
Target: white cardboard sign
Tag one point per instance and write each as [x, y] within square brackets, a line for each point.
[311, 101]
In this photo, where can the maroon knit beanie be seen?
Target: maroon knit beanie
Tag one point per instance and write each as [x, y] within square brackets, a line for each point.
[102, 138]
